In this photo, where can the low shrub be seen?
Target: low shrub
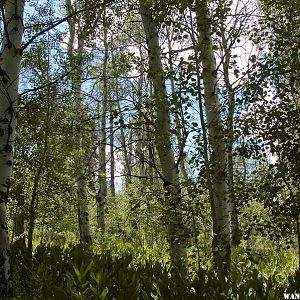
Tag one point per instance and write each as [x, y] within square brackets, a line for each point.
[123, 272]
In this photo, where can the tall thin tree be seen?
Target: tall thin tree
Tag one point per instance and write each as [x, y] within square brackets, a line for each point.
[216, 136]
[102, 182]
[162, 137]
[10, 59]
[76, 60]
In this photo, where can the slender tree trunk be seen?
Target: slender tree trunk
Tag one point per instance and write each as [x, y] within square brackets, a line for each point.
[43, 228]
[75, 57]
[151, 171]
[112, 154]
[127, 164]
[83, 208]
[102, 191]
[130, 157]
[41, 166]
[140, 153]
[18, 235]
[9, 82]
[38, 175]
[140, 147]
[19, 232]
[102, 184]
[180, 141]
[163, 143]
[234, 219]
[32, 213]
[216, 137]
[234, 223]
[298, 240]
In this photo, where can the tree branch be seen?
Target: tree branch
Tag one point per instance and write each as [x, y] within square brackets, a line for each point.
[53, 25]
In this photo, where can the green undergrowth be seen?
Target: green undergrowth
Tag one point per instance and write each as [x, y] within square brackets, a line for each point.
[125, 272]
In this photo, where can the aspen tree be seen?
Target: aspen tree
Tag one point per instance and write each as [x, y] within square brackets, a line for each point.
[9, 81]
[126, 154]
[234, 223]
[112, 154]
[140, 132]
[76, 57]
[127, 164]
[162, 136]
[216, 136]
[102, 190]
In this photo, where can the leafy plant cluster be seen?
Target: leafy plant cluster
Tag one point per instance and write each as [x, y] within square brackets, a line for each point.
[122, 271]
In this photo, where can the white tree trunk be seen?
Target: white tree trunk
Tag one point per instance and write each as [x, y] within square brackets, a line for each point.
[9, 80]
[163, 143]
[112, 154]
[75, 57]
[83, 208]
[126, 152]
[221, 228]
[102, 191]
[234, 221]
[82, 193]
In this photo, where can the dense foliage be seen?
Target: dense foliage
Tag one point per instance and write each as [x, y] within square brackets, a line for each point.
[122, 271]
[151, 151]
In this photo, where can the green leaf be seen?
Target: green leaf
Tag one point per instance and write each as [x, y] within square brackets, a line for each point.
[84, 271]
[77, 273]
[104, 294]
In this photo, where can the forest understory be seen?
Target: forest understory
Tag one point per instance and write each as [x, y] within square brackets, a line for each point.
[150, 149]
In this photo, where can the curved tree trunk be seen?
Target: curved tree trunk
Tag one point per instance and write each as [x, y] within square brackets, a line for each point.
[9, 80]
[173, 213]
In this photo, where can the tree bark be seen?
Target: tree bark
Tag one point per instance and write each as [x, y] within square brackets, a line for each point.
[19, 232]
[221, 235]
[127, 164]
[9, 81]
[140, 133]
[102, 191]
[112, 154]
[75, 57]
[83, 208]
[173, 212]
[32, 212]
[39, 172]
[234, 222]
